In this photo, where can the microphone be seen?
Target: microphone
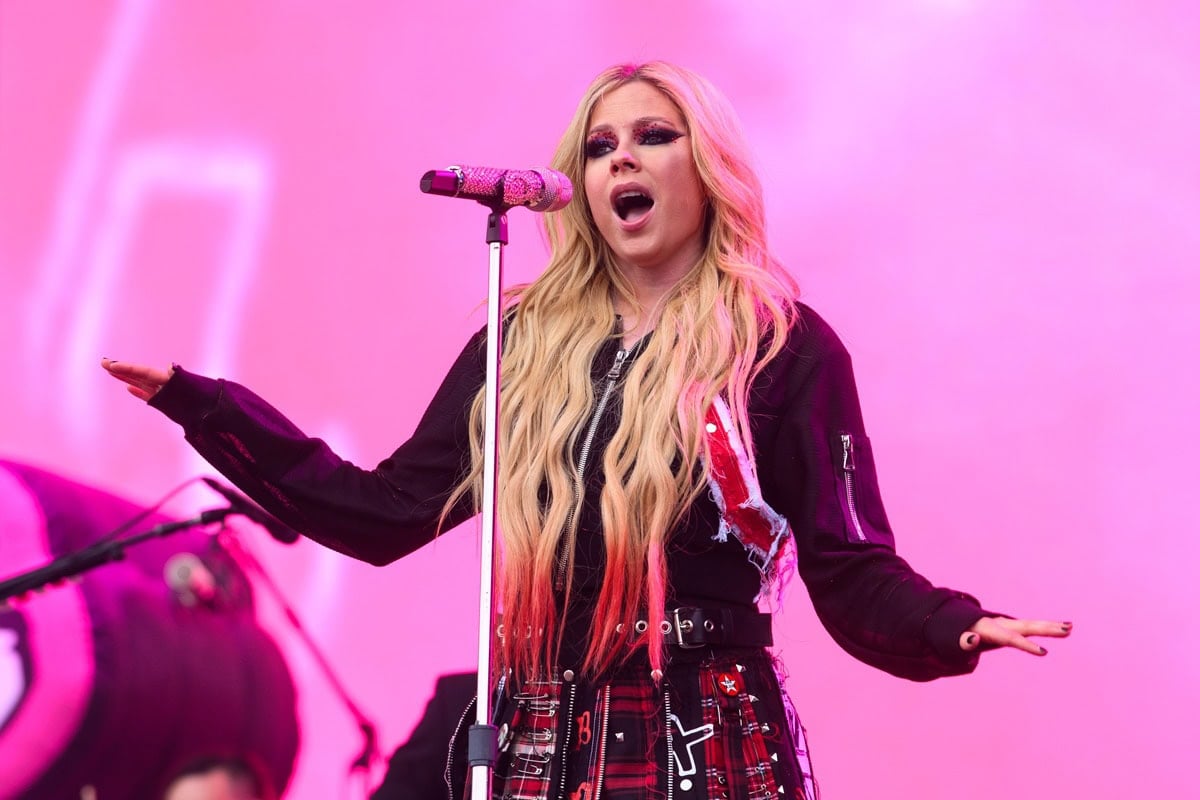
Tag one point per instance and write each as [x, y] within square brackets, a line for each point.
[249, 509]
[537, 189]
[190, 580]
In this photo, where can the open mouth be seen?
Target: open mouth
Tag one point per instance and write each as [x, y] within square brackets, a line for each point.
[632, 205]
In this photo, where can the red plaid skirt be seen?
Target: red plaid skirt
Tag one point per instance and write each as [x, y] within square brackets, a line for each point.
[718, 726]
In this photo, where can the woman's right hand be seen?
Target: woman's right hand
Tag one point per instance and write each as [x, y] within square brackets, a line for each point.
[141, 381]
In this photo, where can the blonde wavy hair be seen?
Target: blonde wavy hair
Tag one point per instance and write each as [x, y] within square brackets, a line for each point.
[717, 328]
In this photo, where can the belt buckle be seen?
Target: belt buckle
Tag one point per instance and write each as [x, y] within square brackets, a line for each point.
[679, 627]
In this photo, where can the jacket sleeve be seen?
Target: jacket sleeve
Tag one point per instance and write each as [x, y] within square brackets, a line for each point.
[375, 515]
[870, 600]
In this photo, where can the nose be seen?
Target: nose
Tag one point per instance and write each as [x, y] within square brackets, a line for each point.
[622, 160]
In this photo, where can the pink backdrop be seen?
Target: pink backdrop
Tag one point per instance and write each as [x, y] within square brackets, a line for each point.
[995, 204]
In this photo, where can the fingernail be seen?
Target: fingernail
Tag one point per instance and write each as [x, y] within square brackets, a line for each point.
[1041, 651]
[1068, 625]
[972, 639]
[1066, 628]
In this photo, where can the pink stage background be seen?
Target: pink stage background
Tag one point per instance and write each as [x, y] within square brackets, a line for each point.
[996, 204]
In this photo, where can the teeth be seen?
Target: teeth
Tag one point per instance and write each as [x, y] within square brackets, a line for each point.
[626, 201]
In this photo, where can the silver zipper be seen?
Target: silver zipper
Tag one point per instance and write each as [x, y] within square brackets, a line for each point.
[568, 543]
[670, 746]
[848, 470]
[566, 742]
[603, 741]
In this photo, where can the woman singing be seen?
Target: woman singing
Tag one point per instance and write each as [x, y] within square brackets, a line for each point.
[679, 436]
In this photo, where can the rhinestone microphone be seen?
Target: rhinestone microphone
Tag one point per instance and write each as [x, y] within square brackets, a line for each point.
[537, 189]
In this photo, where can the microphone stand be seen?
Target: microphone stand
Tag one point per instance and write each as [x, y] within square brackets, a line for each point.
[370, 752]
[97, 554]
[482, 738]
[499, 190]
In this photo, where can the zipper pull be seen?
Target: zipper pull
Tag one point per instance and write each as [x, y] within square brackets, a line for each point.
[618, 362]
[847, 452]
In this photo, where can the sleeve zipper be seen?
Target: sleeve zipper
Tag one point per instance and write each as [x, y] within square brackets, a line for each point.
[848, 473]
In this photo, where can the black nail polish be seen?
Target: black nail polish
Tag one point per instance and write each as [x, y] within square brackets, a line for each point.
[1041, 651]
[972, 639]
[1066, 628]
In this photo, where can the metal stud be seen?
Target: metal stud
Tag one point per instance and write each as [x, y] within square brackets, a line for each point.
[686, 784]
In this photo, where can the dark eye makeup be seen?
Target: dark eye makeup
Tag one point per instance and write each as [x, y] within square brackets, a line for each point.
[601, 143]
[655, 134]
[598, 144]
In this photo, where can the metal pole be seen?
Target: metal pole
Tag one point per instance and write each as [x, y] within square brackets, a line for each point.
[481, 750]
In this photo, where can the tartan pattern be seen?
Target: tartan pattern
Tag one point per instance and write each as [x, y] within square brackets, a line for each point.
[714, 750]
[728, 720]
[631, 764]
[756, 761]
[742, 758]
[529, 741]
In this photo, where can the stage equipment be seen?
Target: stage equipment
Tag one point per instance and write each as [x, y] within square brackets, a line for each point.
[110, 681]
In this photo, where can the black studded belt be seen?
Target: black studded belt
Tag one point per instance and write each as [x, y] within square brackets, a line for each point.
[689, 627]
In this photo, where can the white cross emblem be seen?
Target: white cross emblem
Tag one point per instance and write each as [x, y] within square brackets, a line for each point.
[689, 739]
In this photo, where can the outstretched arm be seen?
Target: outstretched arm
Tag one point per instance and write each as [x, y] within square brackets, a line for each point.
[820, 471]
[376, 515]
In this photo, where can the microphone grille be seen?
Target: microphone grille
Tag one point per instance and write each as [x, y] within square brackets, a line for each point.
[556, 191]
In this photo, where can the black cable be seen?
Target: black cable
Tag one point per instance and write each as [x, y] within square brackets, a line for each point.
[141, 515]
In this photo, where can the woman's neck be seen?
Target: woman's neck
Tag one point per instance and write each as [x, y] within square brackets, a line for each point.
[637, 320]
[640, 314]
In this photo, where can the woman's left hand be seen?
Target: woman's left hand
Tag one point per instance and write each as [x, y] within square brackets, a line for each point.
[1005, 632]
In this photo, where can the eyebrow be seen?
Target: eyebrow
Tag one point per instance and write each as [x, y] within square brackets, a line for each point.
[636, 123]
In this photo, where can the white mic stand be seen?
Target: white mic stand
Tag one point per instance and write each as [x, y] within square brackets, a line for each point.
[499, 190]
[482, 741]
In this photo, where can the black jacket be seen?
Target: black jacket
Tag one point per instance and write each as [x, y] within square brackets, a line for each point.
[804, 409]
